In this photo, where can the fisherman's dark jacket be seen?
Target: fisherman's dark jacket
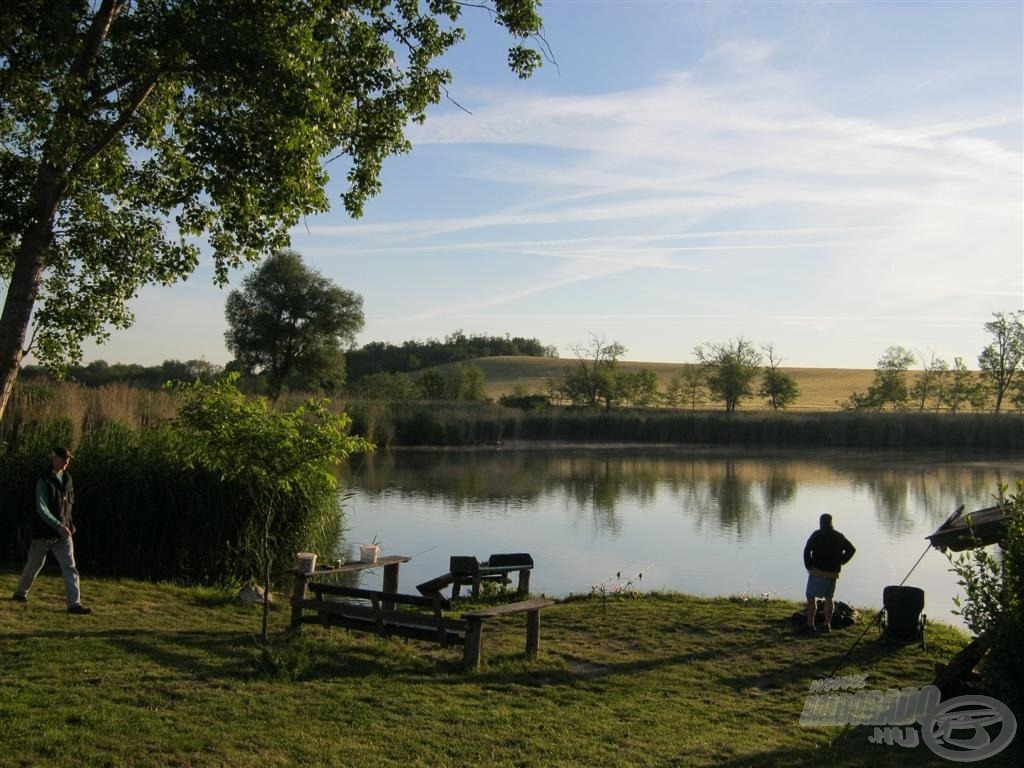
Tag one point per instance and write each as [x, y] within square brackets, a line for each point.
[60, 498]
[827, 550]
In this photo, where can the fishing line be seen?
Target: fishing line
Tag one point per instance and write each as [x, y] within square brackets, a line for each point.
[431, 549]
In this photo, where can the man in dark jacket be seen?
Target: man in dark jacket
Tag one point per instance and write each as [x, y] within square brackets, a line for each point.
[52, 529]
[825, 553]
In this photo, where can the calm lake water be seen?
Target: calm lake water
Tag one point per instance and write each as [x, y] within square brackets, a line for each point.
[707, 522]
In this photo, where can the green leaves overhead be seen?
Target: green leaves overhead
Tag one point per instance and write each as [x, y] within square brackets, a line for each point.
[131, 133]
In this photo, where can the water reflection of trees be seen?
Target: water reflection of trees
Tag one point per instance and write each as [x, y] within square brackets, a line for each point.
[735, 494]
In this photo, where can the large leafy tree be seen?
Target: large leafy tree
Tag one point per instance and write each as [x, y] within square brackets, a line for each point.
[1002, 361]
[730, 369]
[288, 318]
[133, 131]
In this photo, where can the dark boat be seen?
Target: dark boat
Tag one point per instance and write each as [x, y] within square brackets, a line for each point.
[969, 531]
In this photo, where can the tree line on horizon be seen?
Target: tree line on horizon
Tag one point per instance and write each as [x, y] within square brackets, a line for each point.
[290, 328]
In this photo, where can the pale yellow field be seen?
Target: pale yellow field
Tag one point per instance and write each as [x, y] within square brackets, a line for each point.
[820, 388]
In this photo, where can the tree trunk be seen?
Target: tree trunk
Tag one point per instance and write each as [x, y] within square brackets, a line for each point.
[29, 262]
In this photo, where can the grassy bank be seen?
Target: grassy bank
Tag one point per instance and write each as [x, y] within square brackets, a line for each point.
[167, 676]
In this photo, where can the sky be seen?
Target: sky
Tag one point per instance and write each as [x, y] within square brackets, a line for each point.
[827, 178]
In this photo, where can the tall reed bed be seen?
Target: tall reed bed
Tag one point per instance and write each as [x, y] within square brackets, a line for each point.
[140, 512]
[414, 423]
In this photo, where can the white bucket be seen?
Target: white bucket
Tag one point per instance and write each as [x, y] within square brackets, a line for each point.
[368, 553]
[305, 562]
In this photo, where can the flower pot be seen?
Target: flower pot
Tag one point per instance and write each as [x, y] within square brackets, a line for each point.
[305, 562]
[368, 553]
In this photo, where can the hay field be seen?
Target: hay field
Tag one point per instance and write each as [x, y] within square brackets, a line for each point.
[820, 388]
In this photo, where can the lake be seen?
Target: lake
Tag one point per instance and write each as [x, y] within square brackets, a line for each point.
[702, 521]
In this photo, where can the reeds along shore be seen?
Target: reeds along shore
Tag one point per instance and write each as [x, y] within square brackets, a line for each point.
[142, 514]
[139, 512]
[413, 423]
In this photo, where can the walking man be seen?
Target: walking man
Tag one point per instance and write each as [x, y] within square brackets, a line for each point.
[825, 553]
[52, 529]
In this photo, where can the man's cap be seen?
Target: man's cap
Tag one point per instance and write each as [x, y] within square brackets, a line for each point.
[63, 452]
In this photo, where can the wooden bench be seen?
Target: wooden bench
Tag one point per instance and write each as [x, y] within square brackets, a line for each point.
[468, 570]
[412, 616]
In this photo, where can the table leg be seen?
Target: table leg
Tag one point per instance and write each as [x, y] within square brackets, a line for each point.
[298, 595]
[390, 582]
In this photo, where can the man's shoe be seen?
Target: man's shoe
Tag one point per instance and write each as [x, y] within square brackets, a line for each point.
[827, 629]
[80, 609]
[807, 629]
[19, 598]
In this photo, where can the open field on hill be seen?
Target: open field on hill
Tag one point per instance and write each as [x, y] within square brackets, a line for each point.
[820, 388]
[166, 676]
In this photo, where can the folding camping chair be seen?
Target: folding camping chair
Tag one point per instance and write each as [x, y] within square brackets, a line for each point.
[902, 618]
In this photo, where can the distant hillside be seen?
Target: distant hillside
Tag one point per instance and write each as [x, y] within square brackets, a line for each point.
[820, 388]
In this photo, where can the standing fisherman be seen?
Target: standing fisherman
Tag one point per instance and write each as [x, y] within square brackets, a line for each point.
[52, 529]
[825, 553]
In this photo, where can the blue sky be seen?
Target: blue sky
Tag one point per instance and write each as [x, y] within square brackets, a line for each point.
[828, 178]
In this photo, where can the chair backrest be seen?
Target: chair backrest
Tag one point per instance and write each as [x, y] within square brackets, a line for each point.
[511, 560]
[903, 607]
[463, 565]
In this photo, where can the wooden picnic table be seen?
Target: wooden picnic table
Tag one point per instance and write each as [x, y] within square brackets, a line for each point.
[390, 564]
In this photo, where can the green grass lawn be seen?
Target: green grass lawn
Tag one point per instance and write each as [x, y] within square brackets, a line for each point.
[167, 676]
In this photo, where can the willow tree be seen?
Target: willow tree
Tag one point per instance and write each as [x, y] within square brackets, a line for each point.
[131, 131]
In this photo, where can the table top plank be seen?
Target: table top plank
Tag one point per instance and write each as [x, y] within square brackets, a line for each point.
[356, 565]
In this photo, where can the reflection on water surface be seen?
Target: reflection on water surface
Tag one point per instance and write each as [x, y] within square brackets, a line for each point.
[714, 523]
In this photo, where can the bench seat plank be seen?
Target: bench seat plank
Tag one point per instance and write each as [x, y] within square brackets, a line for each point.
[503, 610]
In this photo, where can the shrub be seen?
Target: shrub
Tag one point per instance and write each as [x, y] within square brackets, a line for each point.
[993, 604]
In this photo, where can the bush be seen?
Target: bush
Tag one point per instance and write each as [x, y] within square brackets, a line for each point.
[993, 604]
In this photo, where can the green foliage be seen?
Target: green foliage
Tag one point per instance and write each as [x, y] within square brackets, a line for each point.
[143, 514]
[686, 388]
[266, 453]
[243, 439]
[593, 377]
[525, 401]
[890, 383]
[637, 388]
[963, 388]
[288, 319]
[432, 385]
[730, 369]
[382, 357]
[386, 386]
[466, 383]
[1002, 361]
[99, 373]
[932, 385]
[216, 115]
[993, 603]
